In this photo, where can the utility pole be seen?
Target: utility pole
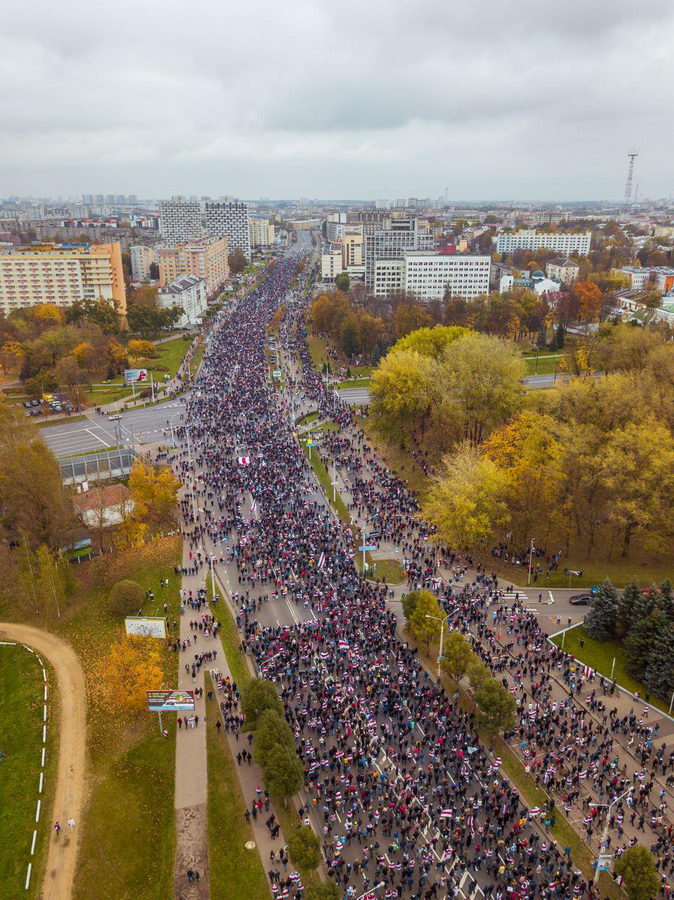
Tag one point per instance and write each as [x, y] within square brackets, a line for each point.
[531, 554]
[604, 835]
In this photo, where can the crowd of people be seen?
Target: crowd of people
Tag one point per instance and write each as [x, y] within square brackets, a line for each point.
[408, 801]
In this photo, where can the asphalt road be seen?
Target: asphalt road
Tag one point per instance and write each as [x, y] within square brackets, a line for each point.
[361, 396]
[149, 426]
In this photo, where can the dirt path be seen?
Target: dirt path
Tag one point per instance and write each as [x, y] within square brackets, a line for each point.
[70, 774]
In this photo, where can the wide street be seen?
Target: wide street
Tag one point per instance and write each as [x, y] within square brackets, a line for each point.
[149, 425]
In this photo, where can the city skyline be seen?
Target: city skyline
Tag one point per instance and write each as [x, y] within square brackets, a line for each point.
[494, 102]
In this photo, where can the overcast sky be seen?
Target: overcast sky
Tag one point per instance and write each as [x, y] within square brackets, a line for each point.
[491, 99]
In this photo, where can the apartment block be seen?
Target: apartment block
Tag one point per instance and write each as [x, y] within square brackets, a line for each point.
[396, 237]
[564, 270]
[61, 274]
[561, 242]
[206, 259]
[230, 219]
[189, 293]
[428, 276]
[262, 233]
[142, 258]
[660, 278]
[331, 264]
[352, 246]
[180, 221]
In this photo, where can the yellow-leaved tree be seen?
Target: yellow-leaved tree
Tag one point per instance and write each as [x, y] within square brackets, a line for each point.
[154, 490]
[131, 667]
[467, 499]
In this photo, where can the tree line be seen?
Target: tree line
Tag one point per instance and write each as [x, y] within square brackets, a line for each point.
[589, 465]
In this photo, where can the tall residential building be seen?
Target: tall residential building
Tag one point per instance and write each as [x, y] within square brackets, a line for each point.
[189, 293]
[561, 242]
[429, 275]
[331, 264]
[180, 221]
[391, 241]
[206, 259]
[61, 274]
[262, 233]
[352, 246]
[142, 258]
[229, 218]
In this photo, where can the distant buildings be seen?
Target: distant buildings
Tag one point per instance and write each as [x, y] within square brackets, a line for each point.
[180, 221]
[206, 259]
[142, 258]
[187, 292]
[262, 233]
[560, 242]
[229, 218]
[61, 274]
[561, 269]
[660, 278]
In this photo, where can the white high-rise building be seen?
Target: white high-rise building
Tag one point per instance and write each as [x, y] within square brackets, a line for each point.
[392, 239]
[189, 293]
[231, 219]
[262, 233]
[561, 242]
[142, 258]
[180, 221]
[429, 275]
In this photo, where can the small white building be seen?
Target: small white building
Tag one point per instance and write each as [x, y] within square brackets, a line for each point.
[189, 293]
[331, 264]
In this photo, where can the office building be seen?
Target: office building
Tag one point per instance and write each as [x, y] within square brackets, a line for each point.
[142, 258]
[561, 242]
[206, 259]
[61, 274]
[331, 264]
[189, 293]
[564, 270]
[430, 275]
[230, 219]
[262, 233]
[390, 241]
[352, 246]
[180, 221]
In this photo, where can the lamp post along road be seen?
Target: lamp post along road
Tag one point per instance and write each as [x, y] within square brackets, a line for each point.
[442, 633]
[604, 836]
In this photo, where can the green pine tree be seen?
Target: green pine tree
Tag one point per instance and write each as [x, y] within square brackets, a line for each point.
[627, 605]
[600, 622]
[639, 642]
[659, 674]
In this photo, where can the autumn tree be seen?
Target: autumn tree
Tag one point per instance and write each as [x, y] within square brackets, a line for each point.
[142, 349]
[424, 623]
[11, 356]
[125, 598]
[637, 867]
[237, 262]
[304, 847]
[431, 342]
[457, 655]
[496, 705]
[283, 773]
[256, 697]
[131, 667]
[154, 490]
[342, 282]
[408, 317]
[402, 389]
[32, 496]
[467, 498]
[271, 729]
[589, 299]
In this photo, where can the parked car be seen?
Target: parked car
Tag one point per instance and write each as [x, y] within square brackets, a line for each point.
[580, 599]
[114, 417]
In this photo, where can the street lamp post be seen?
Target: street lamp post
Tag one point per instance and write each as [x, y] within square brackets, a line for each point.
[442, 633]
[604, 835]
[531, 555]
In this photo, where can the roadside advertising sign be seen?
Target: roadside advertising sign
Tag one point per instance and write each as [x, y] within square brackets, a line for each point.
[146, 626]
[170, 701]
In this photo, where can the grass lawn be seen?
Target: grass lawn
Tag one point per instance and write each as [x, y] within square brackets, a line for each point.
[398, 460]
[599, 655]
[128, 825]
[235, 873]
[170, 356]
[231, 641]
[354, 383]
[21, 712]
[39, 422]
[619, 571]
[323, 476]
[545, 365]
[388, 570]
[308, 419]
[318, 351]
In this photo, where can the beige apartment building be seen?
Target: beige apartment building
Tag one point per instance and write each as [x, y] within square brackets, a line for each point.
[61, 275]
[352, 246]
[262, 233]
[206, 259]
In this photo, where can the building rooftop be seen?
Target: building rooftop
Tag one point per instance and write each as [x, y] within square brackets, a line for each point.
[182, 283]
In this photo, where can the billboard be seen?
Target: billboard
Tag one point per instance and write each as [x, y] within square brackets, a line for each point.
[146, 626]
[170, 701]
[134, 375]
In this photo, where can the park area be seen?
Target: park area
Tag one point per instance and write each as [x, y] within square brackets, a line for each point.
[21, 715]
